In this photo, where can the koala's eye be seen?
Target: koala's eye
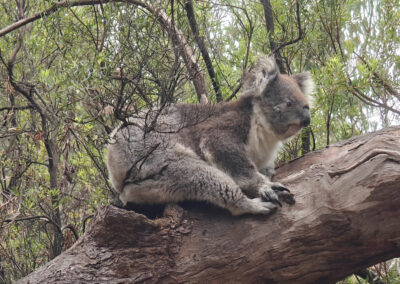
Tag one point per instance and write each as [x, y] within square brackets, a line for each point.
[289, 103]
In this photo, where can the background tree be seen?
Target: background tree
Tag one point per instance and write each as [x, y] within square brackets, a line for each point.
[71, 70]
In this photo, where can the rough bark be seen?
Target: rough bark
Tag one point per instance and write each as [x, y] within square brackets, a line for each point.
[346, 218]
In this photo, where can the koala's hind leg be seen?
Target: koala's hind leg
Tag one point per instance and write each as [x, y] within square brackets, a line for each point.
[187, 178]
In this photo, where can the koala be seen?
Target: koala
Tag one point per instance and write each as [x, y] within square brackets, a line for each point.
[215, 153]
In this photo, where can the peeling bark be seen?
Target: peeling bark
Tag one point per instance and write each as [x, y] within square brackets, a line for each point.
[346, 218]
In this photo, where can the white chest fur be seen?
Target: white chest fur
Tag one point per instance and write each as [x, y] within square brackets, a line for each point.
[262, 145]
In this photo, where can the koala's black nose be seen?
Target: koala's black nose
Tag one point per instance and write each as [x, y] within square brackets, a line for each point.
[306, 117]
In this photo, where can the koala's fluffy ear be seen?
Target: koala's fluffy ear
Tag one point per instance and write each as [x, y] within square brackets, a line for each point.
[305, 82]
[261, 74]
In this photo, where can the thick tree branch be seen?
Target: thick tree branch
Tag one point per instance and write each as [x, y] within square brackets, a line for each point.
[340, 224]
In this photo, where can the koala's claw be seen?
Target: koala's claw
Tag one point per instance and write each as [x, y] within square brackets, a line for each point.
[283, 193]
[279, 187]
[277, 202]
[269, 195]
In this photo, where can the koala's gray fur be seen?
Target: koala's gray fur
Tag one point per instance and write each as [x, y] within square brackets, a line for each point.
[214, 153]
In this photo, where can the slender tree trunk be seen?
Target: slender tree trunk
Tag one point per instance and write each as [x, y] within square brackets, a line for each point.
[15, 151]
[269, 21]
[58, 238]
[178, 38]
[305, 141]
[46, 117]
[203, 49]
[328, 121]
[346, 218]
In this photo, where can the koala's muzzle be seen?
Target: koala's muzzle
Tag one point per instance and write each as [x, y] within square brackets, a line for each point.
[306, 117]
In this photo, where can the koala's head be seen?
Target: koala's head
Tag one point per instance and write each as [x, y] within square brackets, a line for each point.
[284, 101]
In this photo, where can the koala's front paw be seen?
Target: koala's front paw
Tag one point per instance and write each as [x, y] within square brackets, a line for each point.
[268, 194]
[283, 193]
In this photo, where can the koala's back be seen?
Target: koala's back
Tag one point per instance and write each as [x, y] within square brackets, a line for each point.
[142, 146]
[131, 147]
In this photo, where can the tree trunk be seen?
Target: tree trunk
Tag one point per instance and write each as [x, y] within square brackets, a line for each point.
[346, 218]
[305, 140]
[203, 49]
[269, 21]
